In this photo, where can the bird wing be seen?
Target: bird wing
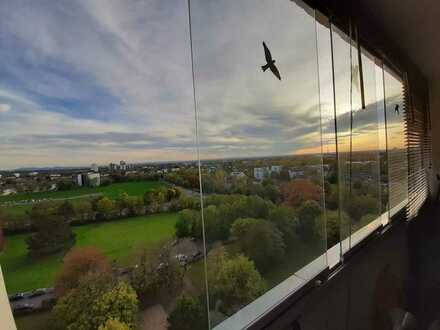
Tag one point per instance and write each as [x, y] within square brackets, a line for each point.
[267, 53]
[275, 71]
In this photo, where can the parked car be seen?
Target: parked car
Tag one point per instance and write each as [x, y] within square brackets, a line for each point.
[16, 297]
[37, 293]
[23, 308]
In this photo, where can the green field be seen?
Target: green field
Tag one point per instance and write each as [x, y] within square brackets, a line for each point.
[118, 240]
[136, 188]
[34, 321]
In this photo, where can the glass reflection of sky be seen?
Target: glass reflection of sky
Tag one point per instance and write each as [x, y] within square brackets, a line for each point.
[242, 110]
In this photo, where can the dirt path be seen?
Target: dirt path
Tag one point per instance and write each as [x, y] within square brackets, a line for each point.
[154, 318]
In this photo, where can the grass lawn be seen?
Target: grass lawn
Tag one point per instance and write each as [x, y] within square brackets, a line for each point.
[35, 321]
[136, 188]
[118, 240]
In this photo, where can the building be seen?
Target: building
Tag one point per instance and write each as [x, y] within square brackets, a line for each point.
[90, 179]
[94, 167]
[260, 173]
[54, 176]
[122, 165]
[113, 167]
[276, 169]
[238, 175]
[295, 174]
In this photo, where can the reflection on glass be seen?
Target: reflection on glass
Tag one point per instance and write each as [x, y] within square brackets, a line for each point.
[397, 152]
[260, 145]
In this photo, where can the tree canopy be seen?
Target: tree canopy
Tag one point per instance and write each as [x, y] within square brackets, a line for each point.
[104, 298]
[78, 263]
[234, 281]
[53, 233]
[189, 314]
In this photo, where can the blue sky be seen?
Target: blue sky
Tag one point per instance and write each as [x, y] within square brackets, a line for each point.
[97, 81]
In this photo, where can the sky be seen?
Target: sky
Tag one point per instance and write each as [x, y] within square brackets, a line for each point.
[98, 81]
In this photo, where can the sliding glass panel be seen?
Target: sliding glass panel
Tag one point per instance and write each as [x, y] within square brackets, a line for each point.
[397, 151]
[330, 165]
[260, 142]
[383, 156]
[106, 83]
[364, 205]
[346, 88]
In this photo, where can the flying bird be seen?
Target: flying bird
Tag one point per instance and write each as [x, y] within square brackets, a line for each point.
[396, 109]
[270, 62]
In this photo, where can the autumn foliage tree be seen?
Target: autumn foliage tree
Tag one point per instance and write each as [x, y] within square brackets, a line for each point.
[78, 263]
[93, 302]
[296, 192]
[113, 325]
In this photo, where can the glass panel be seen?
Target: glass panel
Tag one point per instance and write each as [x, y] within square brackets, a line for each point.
[397, 151]
[345, 92]
[260, 145]
[364, 208]
[106, 83]
[383, 156]
[327, 109]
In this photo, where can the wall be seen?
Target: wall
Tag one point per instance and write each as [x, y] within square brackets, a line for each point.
[6, 319]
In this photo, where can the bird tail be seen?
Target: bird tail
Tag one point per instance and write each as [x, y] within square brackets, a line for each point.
[265, 67]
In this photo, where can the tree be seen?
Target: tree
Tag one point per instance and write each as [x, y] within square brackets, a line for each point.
[241, 226]
[97, 299]
[155, 272]
[215, 228]
[2, 236]
[260, 240]
[53, 234]
[112, 324]
[308, 214]
[78, 263]
[123, 202]
[359, 206]
[66, 210]
[297, 191]
[105, 208]
[285, 219]
[234, 281]
[189, 224]
[336, 224]
[189, 314]
[184, 223]
[154, 200]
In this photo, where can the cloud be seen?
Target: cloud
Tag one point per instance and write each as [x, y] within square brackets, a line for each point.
[4, 107]
[102, 80]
